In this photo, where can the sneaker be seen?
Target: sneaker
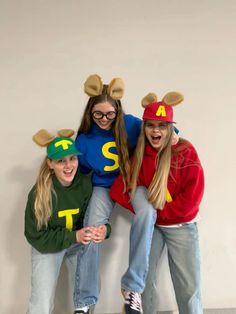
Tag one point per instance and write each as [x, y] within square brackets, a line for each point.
[133, 302]
[84, 310]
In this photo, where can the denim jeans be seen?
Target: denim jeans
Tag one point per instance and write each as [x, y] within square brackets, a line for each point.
[87, 281]
[141, 233]
[184, 263]
[45, 273]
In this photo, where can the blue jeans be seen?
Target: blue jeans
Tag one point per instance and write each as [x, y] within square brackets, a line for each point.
[45, 272]
[141, 233]
[184, 263]
[87, 281]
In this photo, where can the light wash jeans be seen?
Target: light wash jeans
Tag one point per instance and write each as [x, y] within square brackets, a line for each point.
[87, 283]
[184, 263]
[45, 273]
[141, 233]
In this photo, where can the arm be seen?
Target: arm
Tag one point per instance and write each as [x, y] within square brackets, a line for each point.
[46, 240]
[120, 196]
[80, 144]
[53, 238]
[190, 189]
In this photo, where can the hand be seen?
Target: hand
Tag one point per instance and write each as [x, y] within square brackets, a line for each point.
[85, 235]
[99, 233]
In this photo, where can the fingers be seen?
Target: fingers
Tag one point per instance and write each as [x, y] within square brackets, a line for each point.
[84, 235]
[99, 234]
[91, 233]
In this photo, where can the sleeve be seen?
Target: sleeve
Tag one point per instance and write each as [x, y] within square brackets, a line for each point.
[119, 195]
[80, 144]
[46, 240]
[133, 128]
[108, 226]
[137, 123]
[187, 202]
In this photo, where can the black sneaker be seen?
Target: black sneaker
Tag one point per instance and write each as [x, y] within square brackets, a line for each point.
[133, 302]
[81, 311]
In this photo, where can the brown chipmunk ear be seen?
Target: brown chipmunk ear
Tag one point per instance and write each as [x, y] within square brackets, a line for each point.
[66, 132]
[43, 138]
[93, 85]
[148, 99]
[173, 98]
[116, 88]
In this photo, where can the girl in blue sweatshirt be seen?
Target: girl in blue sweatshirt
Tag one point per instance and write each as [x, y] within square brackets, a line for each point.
[105, 138]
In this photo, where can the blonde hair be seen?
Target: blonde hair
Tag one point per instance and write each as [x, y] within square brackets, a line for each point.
[43, 195]
[158, 187]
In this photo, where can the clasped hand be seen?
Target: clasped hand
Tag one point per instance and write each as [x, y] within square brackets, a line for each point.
[91, 233]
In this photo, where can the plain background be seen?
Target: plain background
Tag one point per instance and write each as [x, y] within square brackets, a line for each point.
[48, 49]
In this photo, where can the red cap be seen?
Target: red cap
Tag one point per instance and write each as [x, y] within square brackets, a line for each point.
[158, 111]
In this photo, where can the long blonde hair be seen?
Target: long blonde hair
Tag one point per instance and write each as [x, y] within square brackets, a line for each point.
[43, 195]
[158, 188]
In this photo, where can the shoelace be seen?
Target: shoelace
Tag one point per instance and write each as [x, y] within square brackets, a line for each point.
[134, 300]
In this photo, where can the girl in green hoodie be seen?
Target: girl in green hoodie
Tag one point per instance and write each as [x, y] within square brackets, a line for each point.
[54, 218]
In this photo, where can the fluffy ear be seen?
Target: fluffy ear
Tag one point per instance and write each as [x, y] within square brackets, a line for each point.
[93, 85]
[43, 138]
[148, 99]
[66, 132]
[116, 88]
[173, 98]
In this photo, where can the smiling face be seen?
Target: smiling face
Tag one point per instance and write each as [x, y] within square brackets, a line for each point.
[157, 133]
[64, 168]
[104, 114]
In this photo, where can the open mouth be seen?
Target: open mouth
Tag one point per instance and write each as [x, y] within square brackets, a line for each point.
[155, 139]
[68, 172]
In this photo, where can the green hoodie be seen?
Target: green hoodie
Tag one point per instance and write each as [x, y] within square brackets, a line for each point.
[68, 210]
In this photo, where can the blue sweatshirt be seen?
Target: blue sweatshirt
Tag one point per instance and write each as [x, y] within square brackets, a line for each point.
[99, 153]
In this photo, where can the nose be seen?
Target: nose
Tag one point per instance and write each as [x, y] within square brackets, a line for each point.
[67, 163]
[104, 118]
[156, 128]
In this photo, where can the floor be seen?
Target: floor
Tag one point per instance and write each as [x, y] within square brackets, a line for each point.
[208, 311]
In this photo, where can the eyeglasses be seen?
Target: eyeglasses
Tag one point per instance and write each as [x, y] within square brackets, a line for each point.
[110, 115]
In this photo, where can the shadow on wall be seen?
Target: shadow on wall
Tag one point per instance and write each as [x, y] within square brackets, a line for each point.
[114, 261]
[15, 244]
[64, 293]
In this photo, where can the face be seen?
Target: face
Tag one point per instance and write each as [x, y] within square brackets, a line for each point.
[64, 168]
[104, 114]
[156, 132]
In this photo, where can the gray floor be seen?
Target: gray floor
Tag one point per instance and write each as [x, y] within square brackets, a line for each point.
[209, 311]
[220, 311]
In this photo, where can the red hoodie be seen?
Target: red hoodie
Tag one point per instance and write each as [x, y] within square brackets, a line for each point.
[185, 184]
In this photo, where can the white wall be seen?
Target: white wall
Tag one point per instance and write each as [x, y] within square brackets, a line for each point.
[48, 48]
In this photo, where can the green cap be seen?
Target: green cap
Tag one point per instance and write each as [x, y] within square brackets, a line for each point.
[61, 147]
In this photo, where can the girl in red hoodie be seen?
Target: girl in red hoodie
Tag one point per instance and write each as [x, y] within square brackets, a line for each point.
[166, 189]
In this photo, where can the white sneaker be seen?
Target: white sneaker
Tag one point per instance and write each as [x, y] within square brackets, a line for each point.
[133, 302]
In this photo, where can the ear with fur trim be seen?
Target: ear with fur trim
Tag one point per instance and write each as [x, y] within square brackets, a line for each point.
[93, 85]
[116, 88]
[43, 138]
[148, 99]
[66, 132]
[173, 98]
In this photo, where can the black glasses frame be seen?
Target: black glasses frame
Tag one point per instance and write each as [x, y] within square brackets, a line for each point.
[99, 115]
